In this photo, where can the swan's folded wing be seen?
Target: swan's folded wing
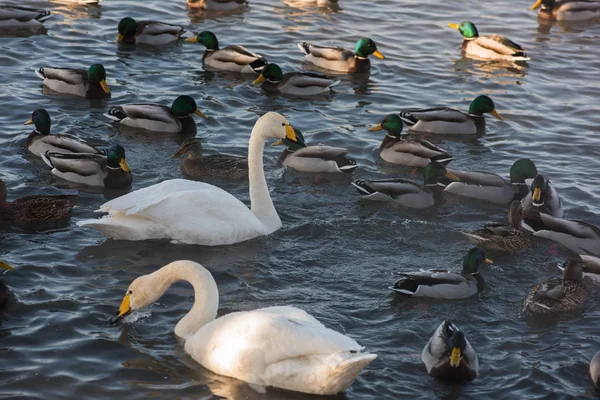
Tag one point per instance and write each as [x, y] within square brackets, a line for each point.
[324, 152]
[330, 53]
[154, 112]
[69, 75]
[159, 28]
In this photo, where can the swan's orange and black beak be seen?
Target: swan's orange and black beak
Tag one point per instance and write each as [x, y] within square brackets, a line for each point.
[124, 309]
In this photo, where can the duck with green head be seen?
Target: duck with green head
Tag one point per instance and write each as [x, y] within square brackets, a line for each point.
[578, 236]
[90, 84]
[300, 157]
[443, 284]
[108, 171]
[36, 208]
[542, 198]
[13, 18]
[40, 140]
[410, 152]
[449, 121]
[567, 10]
[407, 193]
[489, 47]
[340, 59]
[216, 5]
[449, 355]
[159, 118]
[230, 58]
[301, 84]
[147, 32]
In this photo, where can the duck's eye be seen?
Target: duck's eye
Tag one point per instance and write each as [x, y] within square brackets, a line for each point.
[130, 292]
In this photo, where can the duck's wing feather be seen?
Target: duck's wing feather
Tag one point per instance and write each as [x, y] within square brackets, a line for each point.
[418, 147]
[578, 5]
[434, 277]
[23, 14]
[72, 76]
[321, 151]
[435, 114]
[83, 164]
[237, 54]
[576, 228]
[226, 161]
[308, 79]
[69, 143]
[394, 187]
[155, 28]
[499, 44]
[154, 112]
[330, 53]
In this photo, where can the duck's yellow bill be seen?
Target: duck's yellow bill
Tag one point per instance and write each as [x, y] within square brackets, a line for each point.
[105, 87]
[450, 175]
[125, 307]
[454, 26]
[28, 122]
[124, 166]
[377, 54]
[488, 261]
[289, 133]
[279, 142]
[119, 38]
[495, 114]
[5, 266]
[455, 357]
[536, 5]
[537, 195]
[258, 80]
[376, 128]
[192, 40]
[200, 113]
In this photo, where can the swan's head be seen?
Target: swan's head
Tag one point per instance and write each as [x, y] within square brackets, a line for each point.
[141, 293]
[274, 125]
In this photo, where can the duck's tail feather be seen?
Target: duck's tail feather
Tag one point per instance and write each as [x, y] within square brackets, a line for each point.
[304, 47]
[44, 15]
[363, 188]
[47, 159]
[115, 114]
[442, 158]
[40, 73]
[258, 65]
[346, 164]
[407, 118]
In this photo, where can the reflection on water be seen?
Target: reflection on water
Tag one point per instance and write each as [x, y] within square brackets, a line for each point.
[502, 72]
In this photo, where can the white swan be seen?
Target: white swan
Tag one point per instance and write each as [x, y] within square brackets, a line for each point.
[283, 346]
[196, 212]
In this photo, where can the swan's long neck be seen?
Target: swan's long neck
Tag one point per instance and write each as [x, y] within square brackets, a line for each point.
[260, 199]
[206, 294]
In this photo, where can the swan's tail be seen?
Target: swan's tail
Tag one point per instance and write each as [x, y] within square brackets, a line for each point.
[341, 377]
[131, 227]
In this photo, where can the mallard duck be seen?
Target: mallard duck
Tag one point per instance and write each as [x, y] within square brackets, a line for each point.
[41, 141]
[493, 188]
[147, 32]
[405, 192]
[317, 2]
[578, 236]
[282, 347]
[591, 267]
[159, 118]
[557, 295]
[34, 208]
[13, 17]
[511, 238]
[192, 212]
[294, 83]
[595, 369]
[216, 5]
[109, 171]
[449, 355]
[319, 158]
[448, 121]
[489, 47]
[443, 284]
[567, 10]
[90, 84]
[409, 152]
[230, 58]
[543, 197]
[221, 166]
[340, 59]
[4, 290]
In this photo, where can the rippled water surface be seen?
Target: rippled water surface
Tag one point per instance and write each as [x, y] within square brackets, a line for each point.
[335, 256]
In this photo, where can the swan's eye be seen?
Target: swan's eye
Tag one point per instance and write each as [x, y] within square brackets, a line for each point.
[130, 292]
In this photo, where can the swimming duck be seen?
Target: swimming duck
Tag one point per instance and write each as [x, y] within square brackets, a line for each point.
[448, 354]
[230, 58]
[193, 212]
[40, 140]
[294, 3]
[448, 121]
[282, 346]
[13, 17]
[543, 197]
[109, 171]
[407, 193]
[147, 32]
[557, 295]
[442, 284]
[4, 290]
[409, 152]
[591, 267]
[595, 369]
[90, 84]
[511, 238]
[340, 59]
[489, 47]
[221, 166]
[294, 83]
[578, 236]
[567, 10]
[216, 5]
[35, 208]
[493, 188]
[159, 118]
[319, 158]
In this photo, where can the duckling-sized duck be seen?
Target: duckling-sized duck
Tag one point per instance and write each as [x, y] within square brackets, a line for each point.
[90, 84]
[407, 193]
[340, 59]
[4, 290]
[595, 369]
[490, 47]
[558, 295]
[567, 10]
[319, 158]
[543, 197]
[147, 32]
[578, 236]
[230, 58]
[40, 140]
[449, 355]
[17, 18]
[442, 284]
[449, 121]
[159, 118]
[294, 83]
[216, 5]
[512, 238]
[220, 166]
[109, 171]
[409, 152]
[33, 208]
[493, 188]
